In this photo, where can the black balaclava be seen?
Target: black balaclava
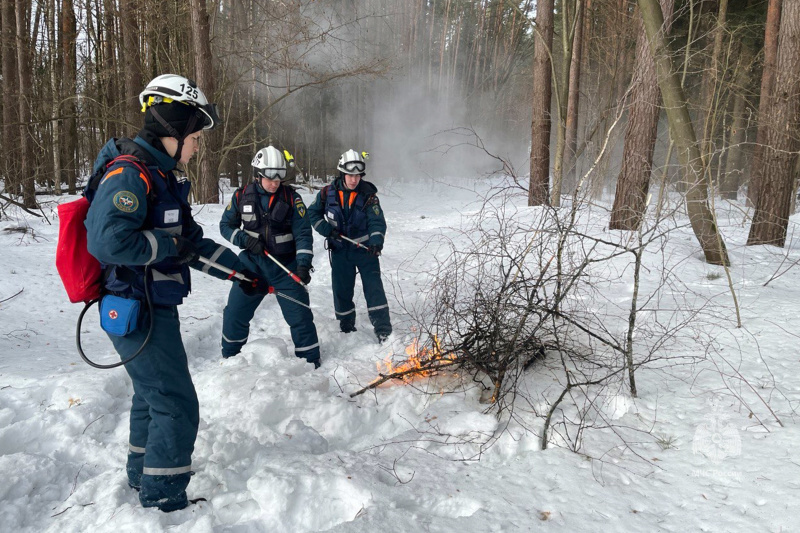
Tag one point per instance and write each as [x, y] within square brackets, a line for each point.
[172, 120]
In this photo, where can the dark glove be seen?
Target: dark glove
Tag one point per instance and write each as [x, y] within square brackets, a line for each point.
[334, 234]
[187, 250]
[375, 249]
[303, 272]
[254, 245]
[255, 286]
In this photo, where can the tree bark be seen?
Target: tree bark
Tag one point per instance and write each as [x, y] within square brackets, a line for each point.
[9, 153]
[208, 179]
[734, 163]
[767, 83]
[573, 101]
[69, 38]
[773, 203]
[683, 134]
[134, 77]
[633, 183]
[25, 93]
[562, 91]
[542, 94]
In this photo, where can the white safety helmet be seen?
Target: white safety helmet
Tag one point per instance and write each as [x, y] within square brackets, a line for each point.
[352, 162]
[269, 163]
[173, 88]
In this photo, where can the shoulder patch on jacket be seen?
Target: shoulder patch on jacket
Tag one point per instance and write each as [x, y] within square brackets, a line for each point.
[126, 201]
[376, 209]
[300, 206]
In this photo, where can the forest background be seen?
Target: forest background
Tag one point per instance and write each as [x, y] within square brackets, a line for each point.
[569, 90]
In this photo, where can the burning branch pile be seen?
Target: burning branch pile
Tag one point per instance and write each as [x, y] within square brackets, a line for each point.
[422, 362]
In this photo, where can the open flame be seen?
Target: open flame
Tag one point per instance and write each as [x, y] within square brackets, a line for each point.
[422, 361]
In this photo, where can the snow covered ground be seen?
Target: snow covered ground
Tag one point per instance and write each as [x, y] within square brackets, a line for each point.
[282, 447]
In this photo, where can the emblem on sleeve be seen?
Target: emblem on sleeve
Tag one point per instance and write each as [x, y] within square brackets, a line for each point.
[301, 207]
[126, 201]
[377, 210]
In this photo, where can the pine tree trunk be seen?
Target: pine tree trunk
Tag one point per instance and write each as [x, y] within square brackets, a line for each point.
[9, 153]
[633, 183]
[767, 83]
[109, 76]
[773, 204]
[208, 180]
[682, 132]
[70, 90]
[542, 93]
[25, 92]
[134, 77]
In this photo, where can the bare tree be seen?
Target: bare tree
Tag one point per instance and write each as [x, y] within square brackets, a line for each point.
[682, 132]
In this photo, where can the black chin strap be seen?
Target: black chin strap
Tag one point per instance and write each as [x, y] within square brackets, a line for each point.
[174, 133]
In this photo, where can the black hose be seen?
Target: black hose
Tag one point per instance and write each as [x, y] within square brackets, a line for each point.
[146, 340]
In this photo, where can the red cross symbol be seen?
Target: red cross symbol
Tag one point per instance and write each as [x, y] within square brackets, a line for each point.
[113, 314]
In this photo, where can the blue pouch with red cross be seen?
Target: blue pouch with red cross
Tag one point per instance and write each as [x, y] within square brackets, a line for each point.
[119, 316]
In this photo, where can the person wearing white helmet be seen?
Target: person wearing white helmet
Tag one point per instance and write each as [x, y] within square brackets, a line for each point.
[269, 218]
[140, 227]
[349, 207]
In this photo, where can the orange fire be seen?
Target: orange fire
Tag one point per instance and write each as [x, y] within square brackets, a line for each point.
[422, 359]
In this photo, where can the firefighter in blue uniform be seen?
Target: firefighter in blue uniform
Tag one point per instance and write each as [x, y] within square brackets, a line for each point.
[349, 207]
[140, 228]
[267, 216]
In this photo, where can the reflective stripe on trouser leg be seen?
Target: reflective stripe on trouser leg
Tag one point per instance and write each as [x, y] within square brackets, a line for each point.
[236, 319]
[343, 278]
[299, 318]
[378, 309]
[161, 379]
[139, 425]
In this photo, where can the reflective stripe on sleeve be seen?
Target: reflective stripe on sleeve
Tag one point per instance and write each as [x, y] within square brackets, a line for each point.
[377, 233]
[214, 257]
[153, 245]
[233, 235]
[320, 221]
[309, 252]
[135, 449]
